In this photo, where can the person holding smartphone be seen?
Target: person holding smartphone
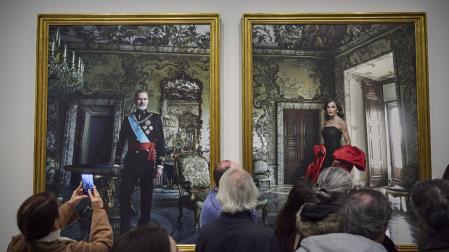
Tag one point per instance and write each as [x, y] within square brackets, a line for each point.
[143, 133]
[87, 180]
[40, 221]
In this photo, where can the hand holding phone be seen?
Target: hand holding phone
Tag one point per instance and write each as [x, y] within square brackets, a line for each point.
[88, 182]
[95, 200]
[77, 196]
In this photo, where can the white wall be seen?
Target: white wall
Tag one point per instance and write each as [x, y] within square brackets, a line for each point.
[18, 57]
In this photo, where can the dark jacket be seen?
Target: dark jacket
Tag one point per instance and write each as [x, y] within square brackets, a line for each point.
[438, 242]
[235, 233]
[151, 124]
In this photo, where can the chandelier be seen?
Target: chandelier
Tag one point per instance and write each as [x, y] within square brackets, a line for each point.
[63, 77]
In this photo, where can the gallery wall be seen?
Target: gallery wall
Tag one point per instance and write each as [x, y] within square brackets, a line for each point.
[18, 25]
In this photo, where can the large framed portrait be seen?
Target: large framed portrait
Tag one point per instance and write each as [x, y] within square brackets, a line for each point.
[88, 70]
[374, 66]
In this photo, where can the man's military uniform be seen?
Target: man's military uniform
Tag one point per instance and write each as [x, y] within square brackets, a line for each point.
[144, 134]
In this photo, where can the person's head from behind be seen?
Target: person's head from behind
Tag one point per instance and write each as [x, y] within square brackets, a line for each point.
[321, 216]
[237, 192]
[221, 167]
[333, 183]
[145, 238]
[301, 192]
[37, 215]
[285, 227]
[366, 212]
[430, 201]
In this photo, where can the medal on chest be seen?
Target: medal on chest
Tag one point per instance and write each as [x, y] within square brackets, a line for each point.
[147, 126]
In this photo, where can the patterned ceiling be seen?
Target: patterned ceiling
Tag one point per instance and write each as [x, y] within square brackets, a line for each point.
[125, 37]
[304, 37]
[315, 37]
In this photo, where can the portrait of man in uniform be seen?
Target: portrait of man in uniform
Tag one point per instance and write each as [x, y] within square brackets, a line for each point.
[132, 101]
[144, 135]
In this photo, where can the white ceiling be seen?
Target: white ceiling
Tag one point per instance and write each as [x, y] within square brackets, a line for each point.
[377, 69]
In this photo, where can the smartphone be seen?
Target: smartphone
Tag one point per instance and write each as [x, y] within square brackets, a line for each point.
[88, 181]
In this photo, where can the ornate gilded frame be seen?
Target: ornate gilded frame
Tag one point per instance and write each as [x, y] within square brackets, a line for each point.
[43, 47]
[422, 103]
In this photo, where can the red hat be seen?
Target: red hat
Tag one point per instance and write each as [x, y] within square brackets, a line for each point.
[351, 155]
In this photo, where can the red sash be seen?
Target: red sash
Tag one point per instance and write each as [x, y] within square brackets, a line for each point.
[150, 147]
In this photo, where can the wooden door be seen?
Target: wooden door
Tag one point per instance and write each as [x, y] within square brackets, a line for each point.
[301, 133]
[94, 134]
[375, 133]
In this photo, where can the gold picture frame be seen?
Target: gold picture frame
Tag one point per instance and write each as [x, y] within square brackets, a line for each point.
[117, 43]
[321, 52]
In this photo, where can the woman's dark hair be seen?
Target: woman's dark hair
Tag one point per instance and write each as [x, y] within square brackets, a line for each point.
[285, 225]
[339, 109]
[142, 239]
[37, 214]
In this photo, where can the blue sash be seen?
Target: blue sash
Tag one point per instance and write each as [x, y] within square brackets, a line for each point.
[137, 129]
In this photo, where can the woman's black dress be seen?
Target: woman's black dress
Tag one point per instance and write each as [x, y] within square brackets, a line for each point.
[332, 141]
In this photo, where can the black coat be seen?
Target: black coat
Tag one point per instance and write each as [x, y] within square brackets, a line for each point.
[438, 241]
[235, 233]
[155, 134]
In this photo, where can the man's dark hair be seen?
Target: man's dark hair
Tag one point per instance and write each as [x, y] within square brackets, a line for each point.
[365, 212]
[140, 91]
[430, 199]
[37, 214]
[142, 239]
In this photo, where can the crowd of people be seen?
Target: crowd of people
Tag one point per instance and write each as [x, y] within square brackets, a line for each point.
[323, 211]
[327, 216]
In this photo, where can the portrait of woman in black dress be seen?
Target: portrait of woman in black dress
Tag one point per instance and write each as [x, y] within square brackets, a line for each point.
[333, 130]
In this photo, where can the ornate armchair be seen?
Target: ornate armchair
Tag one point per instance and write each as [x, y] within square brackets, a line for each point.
[261, 173]
[193, 183]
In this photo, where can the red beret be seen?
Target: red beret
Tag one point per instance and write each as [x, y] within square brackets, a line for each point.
[351, 155]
